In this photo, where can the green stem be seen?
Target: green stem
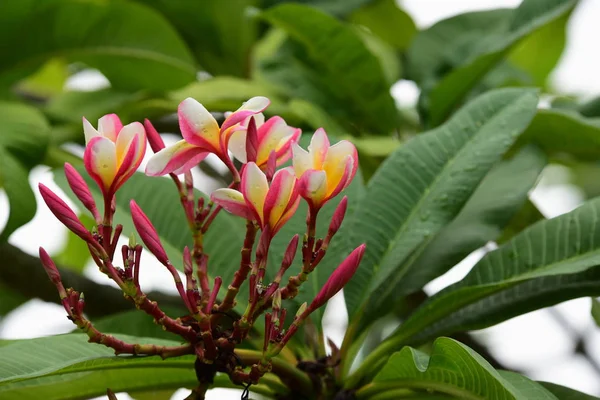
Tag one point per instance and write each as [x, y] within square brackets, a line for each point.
[372, 390]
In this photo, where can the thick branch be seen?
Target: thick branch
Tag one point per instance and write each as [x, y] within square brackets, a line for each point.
[24, 274]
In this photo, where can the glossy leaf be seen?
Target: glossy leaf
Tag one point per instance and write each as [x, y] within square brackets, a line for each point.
[118, 38]
[456, 370]
[497, 199]
[531, 15]
[342, 61]
[421, 187]
[23, 144]
[565, 393]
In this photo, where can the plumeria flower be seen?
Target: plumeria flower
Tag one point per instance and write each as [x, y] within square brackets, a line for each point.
[324, 171]
[201, 136]
[113, 152]
[270, 206]
[272, 135]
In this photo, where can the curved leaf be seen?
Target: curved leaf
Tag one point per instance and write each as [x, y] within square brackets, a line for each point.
[453, 369]
[23, 143]
[564, 393]
[119, 38]
[340, 58]
[422, 187]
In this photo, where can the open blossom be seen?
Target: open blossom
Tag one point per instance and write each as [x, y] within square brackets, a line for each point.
[201, 136]
[113, 152]
[271, 206]
[272, 135]
[324, 171]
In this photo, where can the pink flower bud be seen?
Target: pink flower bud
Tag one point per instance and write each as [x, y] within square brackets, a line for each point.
[156, 142]
[81, 190]
[290, 252]
[251, 141]
[61, 210]
[148, 233]
[277, 300]
[49, 267]
[187, 261]
[338, 216]
[338, 278]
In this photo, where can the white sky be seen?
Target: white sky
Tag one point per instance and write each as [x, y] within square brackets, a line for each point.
[533, 343]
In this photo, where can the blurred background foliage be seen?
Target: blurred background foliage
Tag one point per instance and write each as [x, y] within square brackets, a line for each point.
[323, 63]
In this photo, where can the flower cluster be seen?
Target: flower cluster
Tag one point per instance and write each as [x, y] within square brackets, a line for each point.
[263, 191]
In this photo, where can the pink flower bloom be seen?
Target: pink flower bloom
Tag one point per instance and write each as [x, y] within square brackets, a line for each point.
[113, 152]
[201, 136]
[324, 171]
[270, 206]
[273, 135]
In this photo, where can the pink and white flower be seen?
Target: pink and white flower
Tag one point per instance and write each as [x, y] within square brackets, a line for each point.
[201, 136]
[324, 170]
[270, 206]
[272, 135]
[113, 152]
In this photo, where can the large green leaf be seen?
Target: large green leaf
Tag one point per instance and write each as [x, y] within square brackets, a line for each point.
[159, 199]
[333, 7]
[484, 53]
[119, 38]
[562, 131]
[565, 393]
[498, 198]
[552, 261]
[219, 33]
[23, 143]
[421, 187]
[342, 62]
[385, 20]
[453, 369]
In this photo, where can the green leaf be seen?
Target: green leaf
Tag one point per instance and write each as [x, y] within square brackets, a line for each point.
[119, 38]
[421, 187]
[339, 58]
[385, 20]
[495, 201]
[49, 80]
[75, 253]
[218, 33]
[23, 143]
[531, 15]
[596, 311]
[548, 128]
[565, 393]
[527, 215]
[552, 261]
[333, 7]
[453, 369]
[9, 299]
[159, 199]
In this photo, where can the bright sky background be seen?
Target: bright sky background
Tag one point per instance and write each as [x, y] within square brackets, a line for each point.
[534, 343]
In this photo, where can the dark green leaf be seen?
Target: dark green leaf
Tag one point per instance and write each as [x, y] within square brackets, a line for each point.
[119, 38]
[219, 33]
[596, 311]
[333, 7]
[9, 299]
[527, 215]
[497, 199]
[565, 393]
[385, 20]
[421, 187]
[23, 143]
[456, 370]
[339, 57]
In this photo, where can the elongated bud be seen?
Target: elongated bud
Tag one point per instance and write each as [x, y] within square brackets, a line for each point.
[338, 216]
[156, 142]
[132, 241]
[277, 299]
[81, 190]
[61, 210]
[271, 165]
[290, 252]
[187, 261]
[251, 141]
[148, 233]
[49, 267]
[338, 278]
[300, 310]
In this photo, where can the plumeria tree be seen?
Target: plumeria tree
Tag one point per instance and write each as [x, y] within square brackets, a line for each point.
[259, 210]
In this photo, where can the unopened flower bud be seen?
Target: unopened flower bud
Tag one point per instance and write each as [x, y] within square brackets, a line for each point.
[132, 241]
[277, 299]
[61, 210]
[339, 278]
[290, 252]
[148, 233]
[156, 142]
[81, 190]
[49, 266]
[300, 310]
[187, 261]
[338, 216]
[251, 141]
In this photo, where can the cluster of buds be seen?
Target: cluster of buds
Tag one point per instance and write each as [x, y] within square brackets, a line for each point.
[262, 191]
